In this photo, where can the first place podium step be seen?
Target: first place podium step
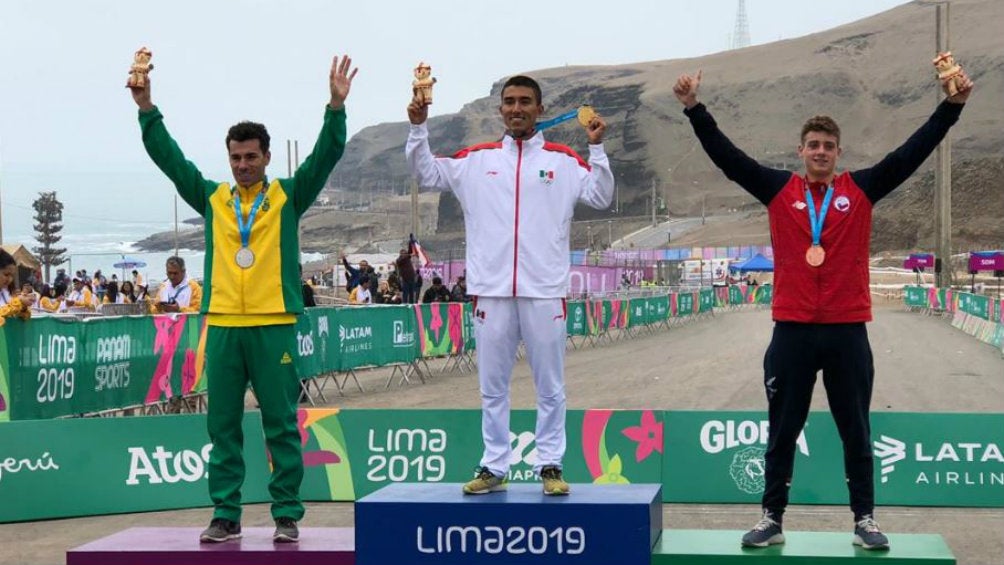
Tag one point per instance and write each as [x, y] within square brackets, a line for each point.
[436, 524]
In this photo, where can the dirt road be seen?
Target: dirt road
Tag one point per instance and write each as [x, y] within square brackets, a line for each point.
[922, 364]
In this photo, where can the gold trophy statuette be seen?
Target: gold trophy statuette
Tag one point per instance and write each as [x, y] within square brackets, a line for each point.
[948, 71]
[141, 67]
[421, 87]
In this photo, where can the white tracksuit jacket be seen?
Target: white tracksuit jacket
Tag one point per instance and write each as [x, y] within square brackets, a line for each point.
[518, 198]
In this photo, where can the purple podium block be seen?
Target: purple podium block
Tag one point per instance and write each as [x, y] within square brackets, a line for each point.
[180, 546]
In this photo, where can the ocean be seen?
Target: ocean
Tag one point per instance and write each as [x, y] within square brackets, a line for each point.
[104, 215]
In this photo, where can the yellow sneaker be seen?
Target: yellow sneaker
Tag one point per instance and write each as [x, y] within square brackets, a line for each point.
[486, 482]
[553, 483]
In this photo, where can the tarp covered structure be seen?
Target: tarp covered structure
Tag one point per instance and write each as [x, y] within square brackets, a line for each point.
[758, 263]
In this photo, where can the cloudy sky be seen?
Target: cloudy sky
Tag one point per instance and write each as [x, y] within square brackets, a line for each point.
[64, 108]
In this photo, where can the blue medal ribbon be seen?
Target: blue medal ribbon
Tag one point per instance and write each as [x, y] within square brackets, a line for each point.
[816, 224]
[245, 228]
[555, 121]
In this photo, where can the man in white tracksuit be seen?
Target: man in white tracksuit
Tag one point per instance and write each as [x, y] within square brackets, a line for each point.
[518, 197]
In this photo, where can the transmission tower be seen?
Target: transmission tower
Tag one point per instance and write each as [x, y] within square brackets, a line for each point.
[741, 35]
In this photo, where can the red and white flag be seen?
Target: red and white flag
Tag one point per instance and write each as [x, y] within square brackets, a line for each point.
[416, 249]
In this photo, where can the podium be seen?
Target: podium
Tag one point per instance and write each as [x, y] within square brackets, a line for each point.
[722, 547]
[437, 524]
[172, 546]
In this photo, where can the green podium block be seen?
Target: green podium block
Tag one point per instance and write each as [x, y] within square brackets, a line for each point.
[722, 547]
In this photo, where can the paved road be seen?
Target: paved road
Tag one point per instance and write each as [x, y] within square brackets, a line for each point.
[922, 364]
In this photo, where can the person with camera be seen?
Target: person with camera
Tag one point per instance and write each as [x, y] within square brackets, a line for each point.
[178, 293]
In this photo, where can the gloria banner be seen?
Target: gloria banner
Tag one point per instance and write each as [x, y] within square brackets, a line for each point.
[920, 459]
[91, 466]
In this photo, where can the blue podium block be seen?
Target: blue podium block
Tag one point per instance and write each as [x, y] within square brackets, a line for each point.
[428, 523]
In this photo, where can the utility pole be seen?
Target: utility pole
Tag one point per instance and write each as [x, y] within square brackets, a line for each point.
[414, 207]
[741, 34]
[943, 173]
[654, 202]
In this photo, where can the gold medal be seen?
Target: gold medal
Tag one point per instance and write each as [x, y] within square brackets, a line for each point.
[586, 115]
[815, 256]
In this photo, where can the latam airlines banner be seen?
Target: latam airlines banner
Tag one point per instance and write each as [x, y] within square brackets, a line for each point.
[59, 468]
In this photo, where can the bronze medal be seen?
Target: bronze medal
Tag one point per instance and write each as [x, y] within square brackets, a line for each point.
[815, 256]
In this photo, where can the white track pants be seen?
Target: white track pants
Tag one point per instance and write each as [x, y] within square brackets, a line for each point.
[499, 324]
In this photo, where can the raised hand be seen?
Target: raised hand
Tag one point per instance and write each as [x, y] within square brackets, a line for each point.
[340, 81]
[141, 95]
[595, 130]
[685, 89]
[418, 111]
[965, 87]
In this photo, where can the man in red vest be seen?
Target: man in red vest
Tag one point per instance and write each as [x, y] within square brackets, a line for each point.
[820, 226]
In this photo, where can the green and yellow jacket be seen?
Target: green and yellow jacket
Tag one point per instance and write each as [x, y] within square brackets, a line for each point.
[269, 292]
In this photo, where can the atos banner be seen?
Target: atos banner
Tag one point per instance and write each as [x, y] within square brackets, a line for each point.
[89, 466]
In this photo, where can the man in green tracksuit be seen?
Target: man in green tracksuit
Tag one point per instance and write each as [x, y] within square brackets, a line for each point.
[252, 296]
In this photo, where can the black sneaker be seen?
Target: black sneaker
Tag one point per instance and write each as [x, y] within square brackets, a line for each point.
[766, 532]
[286, 531]
[220, 530]
[868, 535]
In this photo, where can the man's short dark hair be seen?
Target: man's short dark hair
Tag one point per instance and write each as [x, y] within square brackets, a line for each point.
[246, 131]
[823, 124]
[523, 80]
[437, 280]
[176, 261]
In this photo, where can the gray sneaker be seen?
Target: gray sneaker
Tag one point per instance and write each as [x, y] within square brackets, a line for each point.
[286, 531]
[868, 535]
[220, 530]
[766, 532]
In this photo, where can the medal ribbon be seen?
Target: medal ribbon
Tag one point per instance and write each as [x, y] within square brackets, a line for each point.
[555, 121]
[816, 224]
[242, 228]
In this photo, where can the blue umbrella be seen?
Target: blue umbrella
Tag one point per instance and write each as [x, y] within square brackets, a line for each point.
[129, 263]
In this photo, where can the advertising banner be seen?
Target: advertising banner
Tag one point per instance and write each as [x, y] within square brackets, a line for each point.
[364, 450]
[91, 466]
[718, 457]
[920, 459]
[59, 366]
[439, 328]
[575, 320]
[375, 336]
[986, 261]
[915, 297]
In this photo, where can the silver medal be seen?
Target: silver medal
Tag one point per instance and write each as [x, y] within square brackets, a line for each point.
[244, 257]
